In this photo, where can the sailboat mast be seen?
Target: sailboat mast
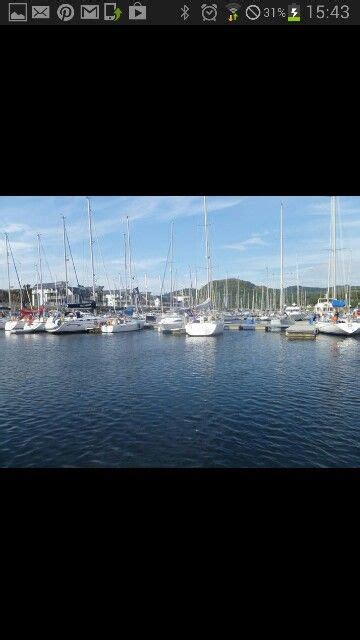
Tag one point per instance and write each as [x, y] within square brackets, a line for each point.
[129, 261]
[126, 270]
[8, 267]
[190, 289]
[91, 249]
[281, 259]
[349, 285]
[41, 276]
[171, 264]
[196, 288]
[17, 274]
[207, 248]
[334, 245]
[297, 284]
[65, 260]
[161, 297]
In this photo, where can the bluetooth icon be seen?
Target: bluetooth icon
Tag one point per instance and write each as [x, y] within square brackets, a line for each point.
[185, 12]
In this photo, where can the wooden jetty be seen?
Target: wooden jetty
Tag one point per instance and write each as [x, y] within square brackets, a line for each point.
[301, 330]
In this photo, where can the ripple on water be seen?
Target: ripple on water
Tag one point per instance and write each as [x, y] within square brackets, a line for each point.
[245, 399]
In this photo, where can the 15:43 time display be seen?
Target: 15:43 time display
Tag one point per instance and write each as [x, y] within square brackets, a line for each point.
[320, 11]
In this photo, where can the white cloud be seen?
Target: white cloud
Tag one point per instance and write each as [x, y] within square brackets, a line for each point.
[241, 246]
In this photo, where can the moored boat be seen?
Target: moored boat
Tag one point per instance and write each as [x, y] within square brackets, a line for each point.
[171, 322]
[14, 324]
[71, 323]
[342, 326]
[119, 325]
[205, 326]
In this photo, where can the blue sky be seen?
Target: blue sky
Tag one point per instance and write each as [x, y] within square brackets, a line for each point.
[244, 234]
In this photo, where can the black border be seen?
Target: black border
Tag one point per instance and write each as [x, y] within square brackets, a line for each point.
[176, 152]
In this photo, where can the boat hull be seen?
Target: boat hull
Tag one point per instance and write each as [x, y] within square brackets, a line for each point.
[3, 322]
[121, 328]
[169, 327]
[339, 328]
[14, 325]
[37, 326]
[204, 328]
[77, 325]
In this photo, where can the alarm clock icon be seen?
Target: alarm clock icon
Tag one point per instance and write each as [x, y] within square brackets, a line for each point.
[209, 12]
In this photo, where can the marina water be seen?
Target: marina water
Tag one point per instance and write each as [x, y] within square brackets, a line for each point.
[141, 399]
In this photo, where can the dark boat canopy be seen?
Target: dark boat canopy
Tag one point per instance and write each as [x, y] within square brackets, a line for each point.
[82, 305]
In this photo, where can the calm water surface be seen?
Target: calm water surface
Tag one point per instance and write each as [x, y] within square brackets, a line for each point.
[244, 399]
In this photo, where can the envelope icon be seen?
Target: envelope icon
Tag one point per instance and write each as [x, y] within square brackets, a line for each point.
[89, 12]
[40, 12]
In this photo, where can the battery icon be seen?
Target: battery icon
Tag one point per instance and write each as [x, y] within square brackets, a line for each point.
[294, 13]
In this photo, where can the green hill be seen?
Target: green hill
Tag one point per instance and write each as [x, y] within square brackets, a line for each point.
[241, 293]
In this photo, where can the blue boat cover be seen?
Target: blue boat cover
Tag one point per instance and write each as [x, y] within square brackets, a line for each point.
[338, 303]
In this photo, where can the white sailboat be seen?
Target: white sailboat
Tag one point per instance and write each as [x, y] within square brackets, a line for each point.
[281, 320]
[35, 323]
[172, 321]
[119, 325]
[330, 322]
[15, 323]
[5, 312]
[71, 323]
[206, 324]
[74, 321]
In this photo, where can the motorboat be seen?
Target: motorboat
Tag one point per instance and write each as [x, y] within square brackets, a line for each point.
[171, 322]
[295, 312]
[204, 326]
[323, 306]
[119, 325]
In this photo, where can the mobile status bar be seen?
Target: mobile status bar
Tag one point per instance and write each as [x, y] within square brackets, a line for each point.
[179, 12]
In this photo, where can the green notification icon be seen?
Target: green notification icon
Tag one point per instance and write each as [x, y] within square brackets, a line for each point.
[294, 13]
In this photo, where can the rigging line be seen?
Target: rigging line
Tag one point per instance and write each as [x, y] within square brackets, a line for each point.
[101, 255]
[46, 262]
[341, 246]
[166, 263]
[72, 259]
[12, 256]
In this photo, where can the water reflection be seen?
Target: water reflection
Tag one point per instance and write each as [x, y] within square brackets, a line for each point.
[146, 399]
